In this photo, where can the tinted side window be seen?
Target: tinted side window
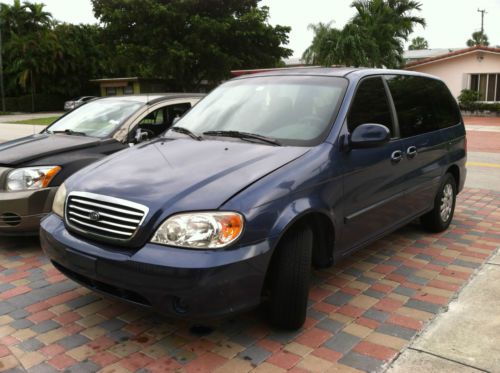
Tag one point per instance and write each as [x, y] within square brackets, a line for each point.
[422, 105]
[370, 105]
[445, 107]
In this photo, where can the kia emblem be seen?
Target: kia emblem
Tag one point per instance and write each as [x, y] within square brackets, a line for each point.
[94, 216]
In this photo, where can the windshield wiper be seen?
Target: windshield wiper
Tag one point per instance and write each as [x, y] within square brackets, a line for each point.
[69, 132]
[185, 131]
[244, 136]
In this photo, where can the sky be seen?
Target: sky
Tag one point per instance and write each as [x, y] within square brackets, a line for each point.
[449, 22]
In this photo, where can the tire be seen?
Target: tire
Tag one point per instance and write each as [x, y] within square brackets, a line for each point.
[289, 279]
[439, 219]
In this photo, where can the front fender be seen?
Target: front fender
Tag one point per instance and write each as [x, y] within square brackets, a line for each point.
[295, 211]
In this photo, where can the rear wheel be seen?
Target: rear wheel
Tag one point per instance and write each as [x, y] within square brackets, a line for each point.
[439, 219]
[289, 279]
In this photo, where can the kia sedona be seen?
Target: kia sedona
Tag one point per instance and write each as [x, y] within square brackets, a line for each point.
[32, 168]
[267, 176]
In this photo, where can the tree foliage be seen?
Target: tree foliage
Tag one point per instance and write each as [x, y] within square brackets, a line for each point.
[374, 37]
[43, 55]
[418, 43]
[190, 41]
[184, 41]
[478, 38]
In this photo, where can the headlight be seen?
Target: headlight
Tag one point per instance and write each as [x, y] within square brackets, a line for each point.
[202, 230]
[59, 200]
[31, 177]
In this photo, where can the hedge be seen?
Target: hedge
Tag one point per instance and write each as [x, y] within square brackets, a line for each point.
[43, 102]
[468, 101]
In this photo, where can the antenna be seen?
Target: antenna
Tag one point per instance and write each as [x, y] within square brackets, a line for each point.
[483, 12]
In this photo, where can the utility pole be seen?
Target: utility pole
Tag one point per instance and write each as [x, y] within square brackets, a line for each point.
[483, 12]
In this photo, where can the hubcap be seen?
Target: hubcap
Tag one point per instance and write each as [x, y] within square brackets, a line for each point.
[446, 202]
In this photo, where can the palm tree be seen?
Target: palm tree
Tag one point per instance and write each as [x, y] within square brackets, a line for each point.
[321, 48]
[419, 43]
[388, 23]
[374, 37]
[478, 38]
[37, 17]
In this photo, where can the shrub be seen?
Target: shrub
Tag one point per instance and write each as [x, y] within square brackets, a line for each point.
[468, 99]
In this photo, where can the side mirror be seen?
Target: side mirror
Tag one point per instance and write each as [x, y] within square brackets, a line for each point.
[369, 135]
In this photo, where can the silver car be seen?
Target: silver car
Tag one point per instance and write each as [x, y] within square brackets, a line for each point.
[73, 104]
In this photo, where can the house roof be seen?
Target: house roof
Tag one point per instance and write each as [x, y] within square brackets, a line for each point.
[419, 54]
[453, 54]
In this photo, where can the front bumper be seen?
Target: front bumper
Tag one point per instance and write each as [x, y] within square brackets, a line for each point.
[21, 212]
[176, 282]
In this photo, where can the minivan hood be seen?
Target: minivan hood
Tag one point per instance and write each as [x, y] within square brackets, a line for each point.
[32, 147]
[182, 174]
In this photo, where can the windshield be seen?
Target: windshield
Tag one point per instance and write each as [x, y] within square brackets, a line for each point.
[295, 110]
[98, 118]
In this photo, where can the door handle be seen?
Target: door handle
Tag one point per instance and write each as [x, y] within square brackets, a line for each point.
[411, 152]
[396, 156]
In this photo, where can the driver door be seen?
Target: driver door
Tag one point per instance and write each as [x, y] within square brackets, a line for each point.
[374, 178]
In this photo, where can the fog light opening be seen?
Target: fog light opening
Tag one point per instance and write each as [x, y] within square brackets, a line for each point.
[9, 218]
[180, 305]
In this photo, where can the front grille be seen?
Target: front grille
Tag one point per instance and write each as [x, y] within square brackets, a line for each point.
[103, 217]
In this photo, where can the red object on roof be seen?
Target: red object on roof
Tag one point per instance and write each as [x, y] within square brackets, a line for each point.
[453, 54]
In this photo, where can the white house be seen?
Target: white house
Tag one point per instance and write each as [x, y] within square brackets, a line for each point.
[476, 68]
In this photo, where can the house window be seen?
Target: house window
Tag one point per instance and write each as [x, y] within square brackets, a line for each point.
[488, 86]
[110, 91]
[128, 90]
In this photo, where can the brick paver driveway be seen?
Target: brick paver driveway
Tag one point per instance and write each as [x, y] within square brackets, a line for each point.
[362, 311]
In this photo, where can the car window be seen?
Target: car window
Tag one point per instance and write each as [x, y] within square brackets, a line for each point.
[370, 105]
[98, 118]
[154, 118]
[158, 121]
[422, 104]
[296, 110]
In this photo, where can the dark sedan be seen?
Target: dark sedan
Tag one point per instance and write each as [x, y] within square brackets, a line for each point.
[32, 168]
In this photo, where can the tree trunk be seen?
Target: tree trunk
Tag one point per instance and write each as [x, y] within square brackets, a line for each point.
[32, 92]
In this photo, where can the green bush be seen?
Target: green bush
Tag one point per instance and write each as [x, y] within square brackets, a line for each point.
[468, 98]
[468, 101]
[43, 102]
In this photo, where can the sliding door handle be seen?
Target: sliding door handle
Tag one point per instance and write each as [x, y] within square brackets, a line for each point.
[411, 152]
[396, 156]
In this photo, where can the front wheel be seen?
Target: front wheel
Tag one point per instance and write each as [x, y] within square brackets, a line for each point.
[289, 279]
[439, 219]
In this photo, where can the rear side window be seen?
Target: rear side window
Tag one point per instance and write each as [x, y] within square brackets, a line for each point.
[422, 104]
[370, 105]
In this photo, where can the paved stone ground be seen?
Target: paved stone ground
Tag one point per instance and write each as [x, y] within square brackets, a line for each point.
[362, 311]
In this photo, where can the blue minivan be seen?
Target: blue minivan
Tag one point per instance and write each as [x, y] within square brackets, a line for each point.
[267, 176]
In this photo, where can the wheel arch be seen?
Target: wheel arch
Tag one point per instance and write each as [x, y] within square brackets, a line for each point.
[320, 221]
[454, 170]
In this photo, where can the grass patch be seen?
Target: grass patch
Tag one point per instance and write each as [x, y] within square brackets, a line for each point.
[38, 121]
